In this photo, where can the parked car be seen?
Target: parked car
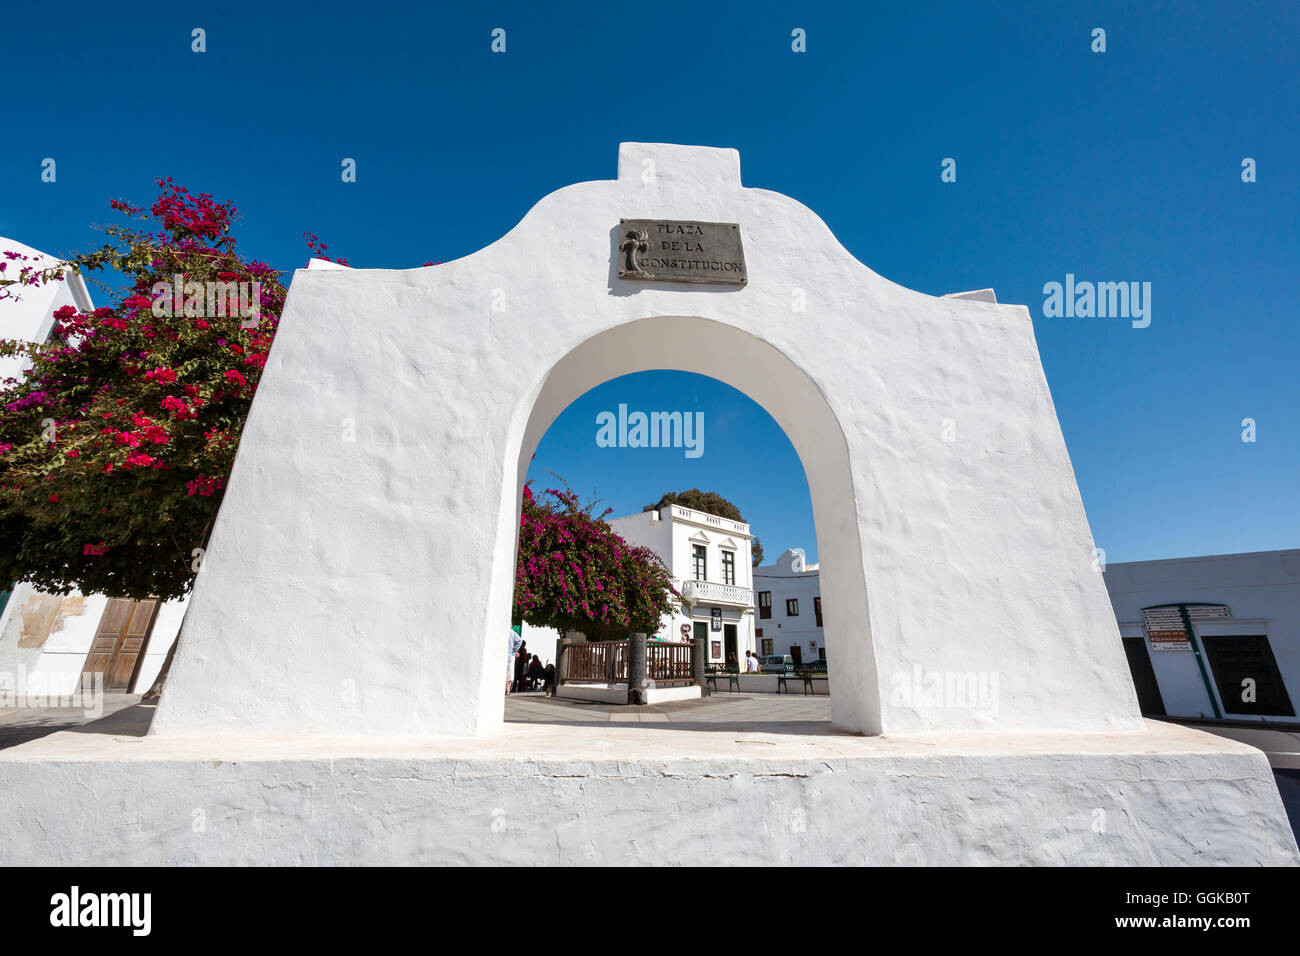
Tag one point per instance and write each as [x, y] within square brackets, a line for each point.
[776, 664]
[815, 667]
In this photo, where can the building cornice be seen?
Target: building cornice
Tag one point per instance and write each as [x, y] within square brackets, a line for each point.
[707, 521]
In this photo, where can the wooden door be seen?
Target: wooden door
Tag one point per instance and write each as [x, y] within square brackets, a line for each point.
[120, 642]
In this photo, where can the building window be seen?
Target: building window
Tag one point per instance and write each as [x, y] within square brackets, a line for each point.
[728, 567]
[699, 566]
[1247, 675]
[765, 647]
[817, 609]
[792, 607]
[764, 604]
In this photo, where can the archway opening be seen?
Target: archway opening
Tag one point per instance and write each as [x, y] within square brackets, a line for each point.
[835, 606]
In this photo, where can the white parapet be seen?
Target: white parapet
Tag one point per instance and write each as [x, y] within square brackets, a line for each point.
[605, 794]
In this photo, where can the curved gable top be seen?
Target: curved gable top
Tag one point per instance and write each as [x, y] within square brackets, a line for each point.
[782, 237]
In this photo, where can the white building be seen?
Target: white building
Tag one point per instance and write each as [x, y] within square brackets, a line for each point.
[788, 596]
[711, 564]
[46, 640]
[1214, 637]
[1214, 642]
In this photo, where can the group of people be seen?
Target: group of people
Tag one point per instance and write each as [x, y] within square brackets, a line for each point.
[752, 663]
[524, 671]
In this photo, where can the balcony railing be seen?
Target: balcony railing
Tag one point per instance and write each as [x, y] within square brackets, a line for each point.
[700, 517]
[709, 592]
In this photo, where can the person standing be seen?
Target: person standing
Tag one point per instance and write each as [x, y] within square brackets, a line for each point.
[521, 665]
[751, 662]
[516, 642]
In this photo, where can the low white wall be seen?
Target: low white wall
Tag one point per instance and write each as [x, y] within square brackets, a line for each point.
[541, 803]
[605, 693]
[617, 693]
[768, 684]
[661, 695]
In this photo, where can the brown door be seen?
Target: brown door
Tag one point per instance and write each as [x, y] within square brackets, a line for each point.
[120, 642]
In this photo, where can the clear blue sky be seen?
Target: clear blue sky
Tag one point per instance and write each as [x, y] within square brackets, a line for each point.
[1117, 166]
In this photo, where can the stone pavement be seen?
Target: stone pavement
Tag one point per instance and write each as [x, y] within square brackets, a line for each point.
[123, 715]
[718, 710]
[19, 724]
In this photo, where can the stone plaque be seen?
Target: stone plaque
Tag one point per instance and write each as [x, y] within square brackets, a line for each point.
[673, 250]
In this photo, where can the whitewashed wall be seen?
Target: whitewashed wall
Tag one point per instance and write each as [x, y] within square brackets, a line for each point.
[30, 315]
[340, 572]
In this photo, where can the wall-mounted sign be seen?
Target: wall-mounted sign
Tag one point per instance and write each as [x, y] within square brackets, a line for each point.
[686, 631]
[717, 649]
[1169, 640]
[1165, 629]
[673, 250]
[715, 616]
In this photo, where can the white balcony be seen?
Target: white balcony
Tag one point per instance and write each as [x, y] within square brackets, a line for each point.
[708, 592]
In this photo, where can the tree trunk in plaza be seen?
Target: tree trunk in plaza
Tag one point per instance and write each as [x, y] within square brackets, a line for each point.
[636, 669]
[698, 656]
[155, 690]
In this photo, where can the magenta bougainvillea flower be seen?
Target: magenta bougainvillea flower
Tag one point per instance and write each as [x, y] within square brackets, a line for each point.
[574, 572]
[124, 428]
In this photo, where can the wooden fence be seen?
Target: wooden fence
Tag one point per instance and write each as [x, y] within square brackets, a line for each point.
[606, 662]
[669, 663]
[595, 662]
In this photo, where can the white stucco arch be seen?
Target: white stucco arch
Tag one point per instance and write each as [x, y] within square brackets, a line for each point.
[362, 587]
[766, 375]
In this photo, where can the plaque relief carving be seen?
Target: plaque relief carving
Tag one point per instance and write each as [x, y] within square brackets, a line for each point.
[671, 250]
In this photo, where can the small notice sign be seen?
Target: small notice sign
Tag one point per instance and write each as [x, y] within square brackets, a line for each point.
[1169, 640]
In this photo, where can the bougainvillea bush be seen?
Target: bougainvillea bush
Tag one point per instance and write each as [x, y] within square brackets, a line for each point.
[116, 445]
[574, 572]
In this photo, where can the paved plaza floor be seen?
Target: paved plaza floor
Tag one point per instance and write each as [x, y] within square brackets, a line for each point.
[113, 713]
[718, 710]
[123, 715]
